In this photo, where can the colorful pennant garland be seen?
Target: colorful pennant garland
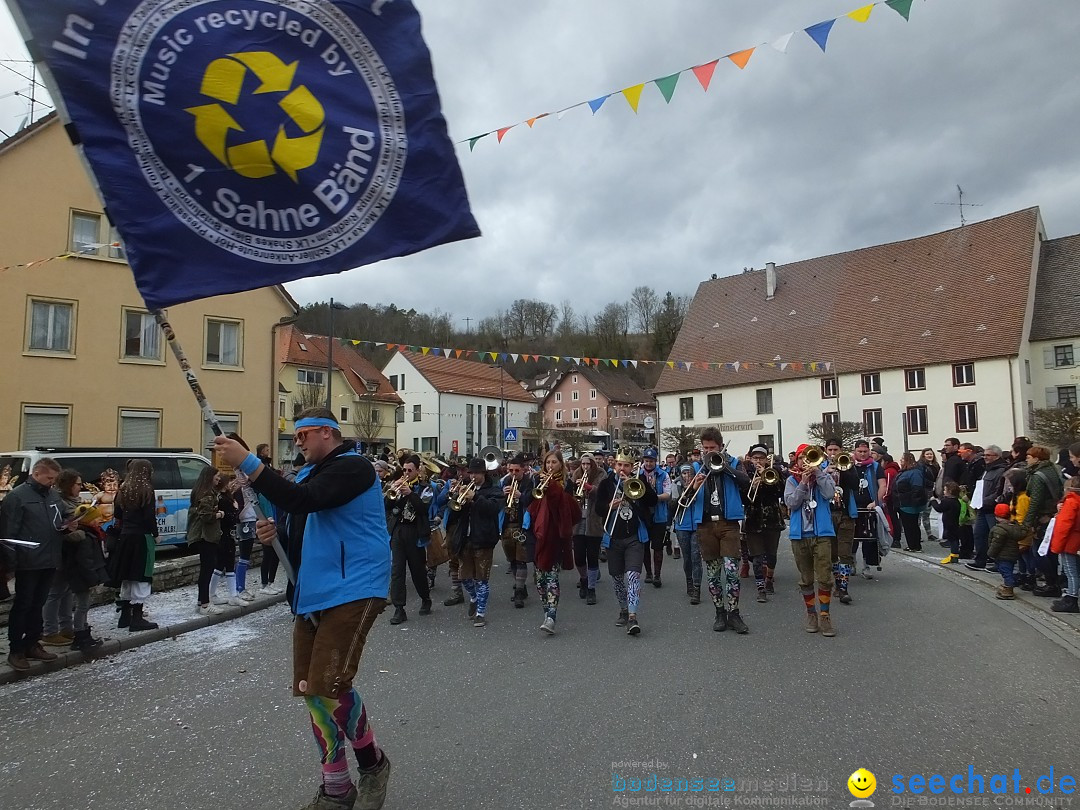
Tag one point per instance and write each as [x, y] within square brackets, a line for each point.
[87, 248]
[819, 33]
[485, 356]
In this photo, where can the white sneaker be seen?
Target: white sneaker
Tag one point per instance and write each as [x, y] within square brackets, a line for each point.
[247, 596]
[236, 601]
[548, 626]
[276, 590]
[209, 610]
[219, 599]
[266, 590]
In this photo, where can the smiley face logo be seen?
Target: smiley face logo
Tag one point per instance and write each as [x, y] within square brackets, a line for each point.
[862, 784]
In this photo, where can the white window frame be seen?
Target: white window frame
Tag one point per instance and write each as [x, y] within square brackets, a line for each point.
[147, 324]
[218, 365]
[1060, 362]
[52, 303]
[558, 396]
[575, 415]
[871, 383]
[875, 428]
[417, 413]
[573, 379]
[310, 376]
[956, 371]
[343, 413]
[922, 413]
[829, 420]
[828, 387]
[558, 416]
[972, 423]
[757, 399]
[575, 395]
[686, 409]
[592, 393]
[592, 413]
[915, 379]
[74, 246]
[1070, 394]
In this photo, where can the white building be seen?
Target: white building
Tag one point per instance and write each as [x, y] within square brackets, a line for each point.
[454, 406]
[918, 340]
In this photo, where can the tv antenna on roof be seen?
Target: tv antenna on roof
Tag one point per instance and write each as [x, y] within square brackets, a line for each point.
[961, 205]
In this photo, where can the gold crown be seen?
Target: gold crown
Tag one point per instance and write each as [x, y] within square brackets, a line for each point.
[625, 454]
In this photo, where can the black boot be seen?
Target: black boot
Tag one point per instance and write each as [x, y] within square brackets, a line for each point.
[582, 588]
[590, 596]
[125, 614]
[456, 597]
[84, 642]
[1051, 588]
[720, 625]
[736, 623]
[138, 622]
[1066, 604]
[519, 597]
[399, 616]
[1026, 582]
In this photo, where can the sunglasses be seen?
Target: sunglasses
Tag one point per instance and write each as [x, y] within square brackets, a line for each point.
[302, 434]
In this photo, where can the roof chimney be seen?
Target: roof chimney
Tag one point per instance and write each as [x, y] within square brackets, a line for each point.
[770, 280]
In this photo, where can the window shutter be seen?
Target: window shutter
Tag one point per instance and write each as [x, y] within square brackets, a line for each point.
[1051, 397]
[138, 430]
[44, 430]
[1048, 357]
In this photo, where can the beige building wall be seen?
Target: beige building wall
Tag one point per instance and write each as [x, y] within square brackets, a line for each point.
[42, 182]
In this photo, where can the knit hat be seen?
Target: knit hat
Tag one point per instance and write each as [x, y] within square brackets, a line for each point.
[476, 464]
[686, 468]
[800, 449]
[759, 449]
[1002, 511]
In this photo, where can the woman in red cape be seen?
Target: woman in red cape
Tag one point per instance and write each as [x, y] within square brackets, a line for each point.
[551, 519]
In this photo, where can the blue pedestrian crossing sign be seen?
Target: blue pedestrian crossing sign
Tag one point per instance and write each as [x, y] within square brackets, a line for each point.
[510, 435]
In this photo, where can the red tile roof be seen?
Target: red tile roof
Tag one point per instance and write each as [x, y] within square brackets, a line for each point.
[296, 348]
[950, 297]
[451, 375]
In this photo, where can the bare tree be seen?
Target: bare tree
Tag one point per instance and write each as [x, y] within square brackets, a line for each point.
[645, 304]
[847, 432]
[678, 440]
[368, 420]
[1056, 427]
[567, 320]
[309, 395]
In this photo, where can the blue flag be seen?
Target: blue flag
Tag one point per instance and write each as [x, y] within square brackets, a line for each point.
[243, 143]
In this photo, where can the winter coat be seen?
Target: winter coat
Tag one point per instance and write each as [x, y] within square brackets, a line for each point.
[1045, 487]
[910, 488]
[408, 518]
[592, 524]
[132, 557]
[973, 471]
[930, 470]
[83, 564]
[950, 517]
[477, 523]
[551, 522]
[954, 468]
[35, 513]
[1005, 540]
[203, 523]
[993, 485]
[1066, 537]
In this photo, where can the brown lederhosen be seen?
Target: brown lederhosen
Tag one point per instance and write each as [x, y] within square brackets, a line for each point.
[327, 655]
[718, 538]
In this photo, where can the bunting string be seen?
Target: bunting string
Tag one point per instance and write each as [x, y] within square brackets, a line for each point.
[485, 356]
[819, 33]
[88, 248]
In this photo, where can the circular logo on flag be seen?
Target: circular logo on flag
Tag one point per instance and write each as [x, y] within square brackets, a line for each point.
[271, 128]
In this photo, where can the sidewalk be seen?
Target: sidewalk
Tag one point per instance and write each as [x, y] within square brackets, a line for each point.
[174, 611]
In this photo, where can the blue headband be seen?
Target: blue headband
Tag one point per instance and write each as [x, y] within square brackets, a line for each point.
[316, 421]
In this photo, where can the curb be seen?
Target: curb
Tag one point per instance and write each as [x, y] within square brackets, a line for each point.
[131, 641]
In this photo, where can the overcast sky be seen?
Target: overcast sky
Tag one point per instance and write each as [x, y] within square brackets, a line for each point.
[800, 155]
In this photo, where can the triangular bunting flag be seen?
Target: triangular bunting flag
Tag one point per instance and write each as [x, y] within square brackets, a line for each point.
[667, 86]
[500, 133]
[446, 352]
[536, 118]
[704, 73]
[745, 366]
[435, 350]
[828, 366]
[861, 15]
[633, 95]
[597, 103]
[742, 57]
[425, 349]
[391, 346]
[901, 7]
[796, 366]
[820, 33]
[355, 342]
[473, 140]
[781, 43]
[556, 358]
[783, 366]
[515, 356]
[494, 356]
[377, 345]
[624, 363]
[669, 364]
[635, 362]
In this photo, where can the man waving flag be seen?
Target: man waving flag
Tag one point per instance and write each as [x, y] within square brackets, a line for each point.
[243, 143]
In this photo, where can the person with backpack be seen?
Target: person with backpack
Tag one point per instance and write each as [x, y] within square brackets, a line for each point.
[910, 489]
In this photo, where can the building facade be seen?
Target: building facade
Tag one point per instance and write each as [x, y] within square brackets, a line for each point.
[607, 406]
[916, 340]
[85, 363]
[360, 397]
[455, 407]
[1052, 367]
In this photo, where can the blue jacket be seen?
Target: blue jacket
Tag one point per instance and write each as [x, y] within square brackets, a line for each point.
[733, 503]
[338, 541]
[660, 513]
[810, 522]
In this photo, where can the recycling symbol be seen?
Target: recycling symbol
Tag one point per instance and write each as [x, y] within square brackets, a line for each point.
[224, 81]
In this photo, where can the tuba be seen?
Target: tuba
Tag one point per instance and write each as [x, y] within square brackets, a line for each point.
[492, 456]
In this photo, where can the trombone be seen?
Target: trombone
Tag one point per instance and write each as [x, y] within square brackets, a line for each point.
[632, 488]
[717, 463]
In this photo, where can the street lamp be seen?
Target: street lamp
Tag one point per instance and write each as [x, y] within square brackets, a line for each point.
[330, 353]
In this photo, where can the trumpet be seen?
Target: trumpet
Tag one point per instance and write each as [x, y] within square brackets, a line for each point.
[460, 498]
[766, 475]
[541, 488]
[394, 490]
[512, 494]
[579, 493]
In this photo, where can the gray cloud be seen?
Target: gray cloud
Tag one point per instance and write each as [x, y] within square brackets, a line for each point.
[800, 155]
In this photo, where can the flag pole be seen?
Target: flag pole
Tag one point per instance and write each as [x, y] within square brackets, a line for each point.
[211, 419]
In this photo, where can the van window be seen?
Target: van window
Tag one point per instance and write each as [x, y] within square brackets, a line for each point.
[89, 467]
[166, 475]
[190, 468]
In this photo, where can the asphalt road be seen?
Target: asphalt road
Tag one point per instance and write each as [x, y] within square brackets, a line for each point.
[925, 676]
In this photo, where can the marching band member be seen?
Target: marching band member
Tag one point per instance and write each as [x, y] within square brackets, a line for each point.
[721, 496]
[476, 533]
[844, 514]
[686, 523]
[660, 483]
[436, 511]
[808, 495]
[407, 520]
[552, 518]
[625, 536]
[764, 522]
[589, 530]
[871, 494]
[440, 504]
[511, 518]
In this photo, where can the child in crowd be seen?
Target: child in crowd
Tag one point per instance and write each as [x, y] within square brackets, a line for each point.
[949, 507]
[1065, 542]
[1016, 490]
[1005, 539]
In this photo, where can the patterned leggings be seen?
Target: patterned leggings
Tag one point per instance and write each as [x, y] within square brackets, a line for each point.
[335, 720]
[628, 591]
[478, 590]
[547, 585]
[723, 576]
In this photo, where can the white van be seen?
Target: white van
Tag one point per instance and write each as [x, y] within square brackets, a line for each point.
[175, 473]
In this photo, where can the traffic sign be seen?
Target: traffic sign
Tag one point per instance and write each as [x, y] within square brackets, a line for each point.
[510, 435]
